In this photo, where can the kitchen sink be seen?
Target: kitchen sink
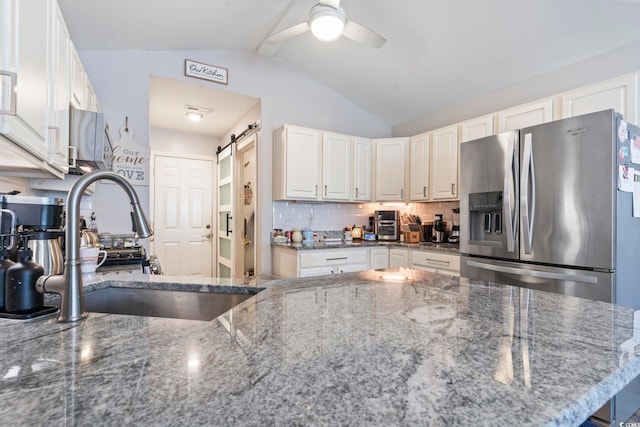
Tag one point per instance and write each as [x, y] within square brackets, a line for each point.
[162, 303]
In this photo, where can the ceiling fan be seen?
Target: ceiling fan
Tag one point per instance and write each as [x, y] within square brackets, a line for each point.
[327, 21]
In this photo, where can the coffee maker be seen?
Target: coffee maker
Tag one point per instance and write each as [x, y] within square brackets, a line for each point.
[38, 223]
[439, 230]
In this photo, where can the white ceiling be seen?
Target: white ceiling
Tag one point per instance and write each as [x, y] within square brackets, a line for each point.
[221, 109]
[438, 53]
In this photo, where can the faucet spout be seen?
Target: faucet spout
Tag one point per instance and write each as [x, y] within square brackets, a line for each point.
[69, 285]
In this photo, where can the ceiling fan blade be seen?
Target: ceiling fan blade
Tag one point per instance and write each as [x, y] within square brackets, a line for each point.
[362, 34]
[333, 3]
[288, 33]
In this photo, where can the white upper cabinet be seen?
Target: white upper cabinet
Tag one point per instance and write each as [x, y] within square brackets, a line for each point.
[444, 163]
[362, 166]
[297, 163]
[476, 128]
[23, 70]
[419, 163]
[59, 45]
[77, 78]
[526, 115]
[336, 166]
[621, 94]
[390, 169]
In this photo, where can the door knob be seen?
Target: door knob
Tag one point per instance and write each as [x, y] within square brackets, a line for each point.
[208, 235]
[208, 226]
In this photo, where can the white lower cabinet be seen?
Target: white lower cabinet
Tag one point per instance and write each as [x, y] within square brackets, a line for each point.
[378, 258]
[436, 262]
[319, 262]
[398, 257]
[287, 262]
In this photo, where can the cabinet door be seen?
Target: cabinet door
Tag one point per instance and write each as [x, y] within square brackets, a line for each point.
[436, 262]
[444, 161]
[58, 140]
[390, 169]
[619, 94]
[350, 268]
[476, 128]
[315, 271]
[379, 258]
[23, 71]
[362, 165]
[302, 163]
[336, 166]
[398, 258]
[527, 115]
[76, 81]
[419, 167]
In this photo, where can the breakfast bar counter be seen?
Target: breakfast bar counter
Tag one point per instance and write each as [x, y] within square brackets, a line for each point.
[393, 347]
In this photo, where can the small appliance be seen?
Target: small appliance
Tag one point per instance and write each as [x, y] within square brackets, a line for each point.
[39, 220]
[454, 236]
[439, 230]
[387, 225]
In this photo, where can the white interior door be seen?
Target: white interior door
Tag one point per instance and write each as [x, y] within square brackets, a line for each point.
[226, 241]
[183, 215]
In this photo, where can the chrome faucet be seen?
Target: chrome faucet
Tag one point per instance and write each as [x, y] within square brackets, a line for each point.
[69, 284]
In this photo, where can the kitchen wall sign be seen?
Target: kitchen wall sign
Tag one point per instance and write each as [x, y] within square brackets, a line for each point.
[131, 159]
[203, 71]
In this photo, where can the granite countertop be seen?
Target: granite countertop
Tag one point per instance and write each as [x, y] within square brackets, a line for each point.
[401, 347]
[440, 247]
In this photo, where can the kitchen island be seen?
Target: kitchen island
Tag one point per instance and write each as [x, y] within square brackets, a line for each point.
[400, 347]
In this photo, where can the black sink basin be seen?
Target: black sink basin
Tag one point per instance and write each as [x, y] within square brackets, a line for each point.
[162, 303]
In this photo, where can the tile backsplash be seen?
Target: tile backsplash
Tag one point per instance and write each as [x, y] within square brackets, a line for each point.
[336, 216]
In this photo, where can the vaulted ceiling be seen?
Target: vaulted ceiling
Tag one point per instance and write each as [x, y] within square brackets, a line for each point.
[437, 54]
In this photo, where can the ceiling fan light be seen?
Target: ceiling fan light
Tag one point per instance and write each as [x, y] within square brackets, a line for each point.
[326, 23]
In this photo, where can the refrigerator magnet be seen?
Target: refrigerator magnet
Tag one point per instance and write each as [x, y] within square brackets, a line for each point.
[625, 178]
[623, 133]
[623, 152]
[635, 149]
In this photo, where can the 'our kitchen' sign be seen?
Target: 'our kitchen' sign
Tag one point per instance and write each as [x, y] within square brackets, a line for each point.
[206, 72]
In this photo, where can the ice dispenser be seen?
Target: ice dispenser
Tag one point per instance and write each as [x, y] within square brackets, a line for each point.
[485, 216]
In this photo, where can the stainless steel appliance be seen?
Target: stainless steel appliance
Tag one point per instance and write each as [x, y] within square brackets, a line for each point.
[540, 208]
[387, 225]
[454, 236]
[39, 220]
[89, 141]
[439, 230]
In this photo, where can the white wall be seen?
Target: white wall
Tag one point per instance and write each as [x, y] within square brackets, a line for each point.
[121, 82]
[169, 141]
[614, 63]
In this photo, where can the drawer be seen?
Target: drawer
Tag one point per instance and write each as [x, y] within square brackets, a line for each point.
[323, 257]
[436, 260]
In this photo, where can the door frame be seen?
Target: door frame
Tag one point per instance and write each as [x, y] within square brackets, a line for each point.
[214, 195]
[247, 142]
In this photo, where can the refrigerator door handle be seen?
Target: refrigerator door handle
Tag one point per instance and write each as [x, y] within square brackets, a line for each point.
[510, 177]
[528, 177]
[534, 273]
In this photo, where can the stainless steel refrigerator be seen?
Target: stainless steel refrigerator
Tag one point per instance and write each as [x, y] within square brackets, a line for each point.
[540, 208]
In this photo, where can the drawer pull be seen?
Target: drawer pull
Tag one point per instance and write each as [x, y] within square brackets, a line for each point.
[335, 259]
[437, 261]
